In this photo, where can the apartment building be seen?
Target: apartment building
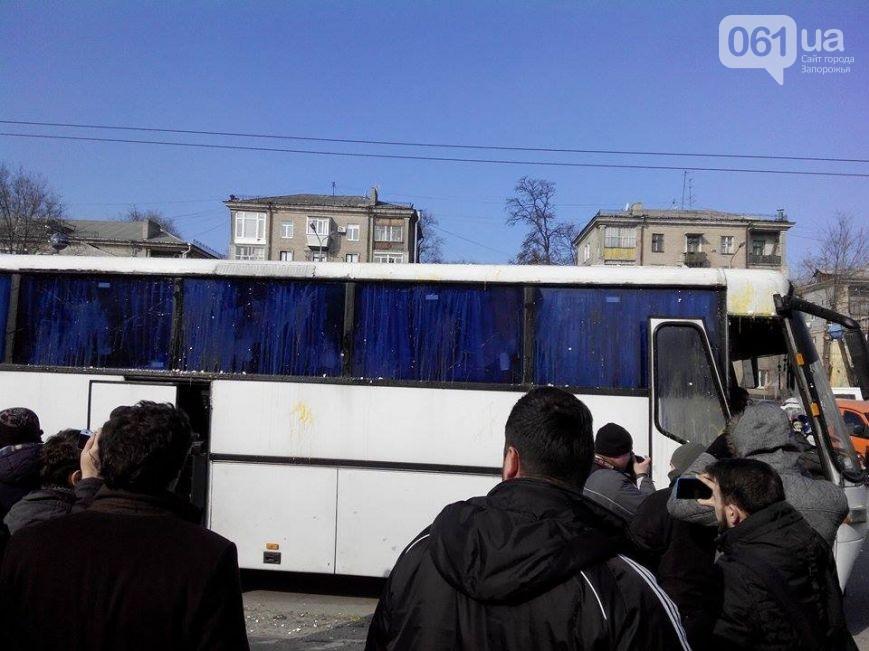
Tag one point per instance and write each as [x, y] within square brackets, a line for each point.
[692, 238]
[323, 228]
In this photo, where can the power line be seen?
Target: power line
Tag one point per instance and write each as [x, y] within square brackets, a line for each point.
[434, 145]
[446, 159]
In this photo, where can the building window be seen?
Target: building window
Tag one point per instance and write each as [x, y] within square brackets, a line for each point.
[351, 257]
[657, 242]
[586, 253]
[387, 233]
[287, 230]
[352, 232]
[693, 243]
[727, 244]
[318, 226]
[616, 237]
[763, 378]
[250, 253]
[319, 257]
[250, 227]
[388, 257]
[757, 247]
[286, 256]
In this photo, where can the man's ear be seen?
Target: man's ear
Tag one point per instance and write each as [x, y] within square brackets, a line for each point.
[510, 469]
[74, 477]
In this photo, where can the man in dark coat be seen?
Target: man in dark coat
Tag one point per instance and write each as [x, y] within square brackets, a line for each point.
[20, 442]
[681, 555]
[130, 572]
[779, 577]
[66, 486]
[533, 565]
[619, 480]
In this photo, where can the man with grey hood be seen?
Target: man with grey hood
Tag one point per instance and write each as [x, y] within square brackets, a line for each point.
[762, 432]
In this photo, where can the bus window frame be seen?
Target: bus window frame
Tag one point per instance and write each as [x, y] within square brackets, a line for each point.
[696, 324]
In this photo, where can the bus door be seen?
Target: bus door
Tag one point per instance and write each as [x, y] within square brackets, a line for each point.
[836, 450]
[192, 397]
[686, 402]
[105, 395]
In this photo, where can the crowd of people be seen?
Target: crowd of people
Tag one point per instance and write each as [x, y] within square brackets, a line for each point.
[574, 549]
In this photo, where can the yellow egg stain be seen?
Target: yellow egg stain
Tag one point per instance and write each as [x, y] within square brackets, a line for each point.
[303, 414]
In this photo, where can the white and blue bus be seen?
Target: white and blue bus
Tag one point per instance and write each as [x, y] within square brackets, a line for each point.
[340, 406]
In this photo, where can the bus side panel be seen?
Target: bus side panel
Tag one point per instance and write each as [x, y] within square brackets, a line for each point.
[291, 507]
[385, 424]
[59, 399]
[381, 511]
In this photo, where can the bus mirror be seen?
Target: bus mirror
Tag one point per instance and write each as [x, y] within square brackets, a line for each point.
[750, 376]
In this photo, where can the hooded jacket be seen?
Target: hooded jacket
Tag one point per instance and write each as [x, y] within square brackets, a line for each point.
[763, 433]
[776, 547]
[49, 503]
[19, 473]
[533, 565]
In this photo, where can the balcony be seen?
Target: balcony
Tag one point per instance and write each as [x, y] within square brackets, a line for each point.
[767, 260]
[696, 259]
[315, 241]
[620, 253]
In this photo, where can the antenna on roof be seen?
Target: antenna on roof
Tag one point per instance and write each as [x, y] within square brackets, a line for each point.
[333, 188]
[687, 187]
[684, 183]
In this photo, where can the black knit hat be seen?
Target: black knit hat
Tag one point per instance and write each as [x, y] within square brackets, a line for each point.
[19, 425]
[613, 441]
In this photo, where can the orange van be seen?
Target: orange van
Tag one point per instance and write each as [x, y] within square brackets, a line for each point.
[856, 415]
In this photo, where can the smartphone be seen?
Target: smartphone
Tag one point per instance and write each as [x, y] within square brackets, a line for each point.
[83, 437]
[691, 488]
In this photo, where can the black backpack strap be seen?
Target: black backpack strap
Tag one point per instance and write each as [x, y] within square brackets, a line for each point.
[794, 612]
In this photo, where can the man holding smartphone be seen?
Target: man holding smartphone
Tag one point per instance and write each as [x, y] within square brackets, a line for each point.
[619, 479]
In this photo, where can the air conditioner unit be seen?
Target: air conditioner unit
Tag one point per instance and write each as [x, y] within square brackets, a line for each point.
[342, 230]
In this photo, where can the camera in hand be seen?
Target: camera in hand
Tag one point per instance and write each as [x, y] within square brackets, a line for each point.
[691, 488]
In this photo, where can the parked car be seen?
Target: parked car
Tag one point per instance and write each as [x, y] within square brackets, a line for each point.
[856, 415]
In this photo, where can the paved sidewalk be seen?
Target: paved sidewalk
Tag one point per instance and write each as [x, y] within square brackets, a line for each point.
[290, 620]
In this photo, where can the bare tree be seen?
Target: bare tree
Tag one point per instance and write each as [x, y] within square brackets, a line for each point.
[843, 254]
[28, 211]
[133, 214]
[431, 245]
[548, 240]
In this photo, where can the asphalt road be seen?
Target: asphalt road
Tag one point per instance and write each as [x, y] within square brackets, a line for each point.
[280, 619]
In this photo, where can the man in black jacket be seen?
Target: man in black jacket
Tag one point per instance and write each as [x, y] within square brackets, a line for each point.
[533, 565]
[681, 554]
[20, 442]
[132, 571]
[781, 590]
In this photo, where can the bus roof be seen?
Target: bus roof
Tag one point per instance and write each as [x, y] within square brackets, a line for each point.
[749, 291]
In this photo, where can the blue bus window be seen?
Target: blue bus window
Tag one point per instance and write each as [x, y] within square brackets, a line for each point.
[262, 327]
[438, 333]
[110, 322]
[5, 285]
[599, 337]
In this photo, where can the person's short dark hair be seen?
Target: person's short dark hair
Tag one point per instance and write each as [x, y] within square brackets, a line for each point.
[60, 457]
[749, 484]
[552, 431]
[143, 448]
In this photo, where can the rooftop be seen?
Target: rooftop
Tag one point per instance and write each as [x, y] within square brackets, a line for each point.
[120, 231]
[320, 200]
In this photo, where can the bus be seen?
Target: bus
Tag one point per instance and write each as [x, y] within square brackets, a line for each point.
[340, 406]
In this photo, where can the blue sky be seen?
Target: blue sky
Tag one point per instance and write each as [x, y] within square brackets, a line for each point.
[640, 76]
